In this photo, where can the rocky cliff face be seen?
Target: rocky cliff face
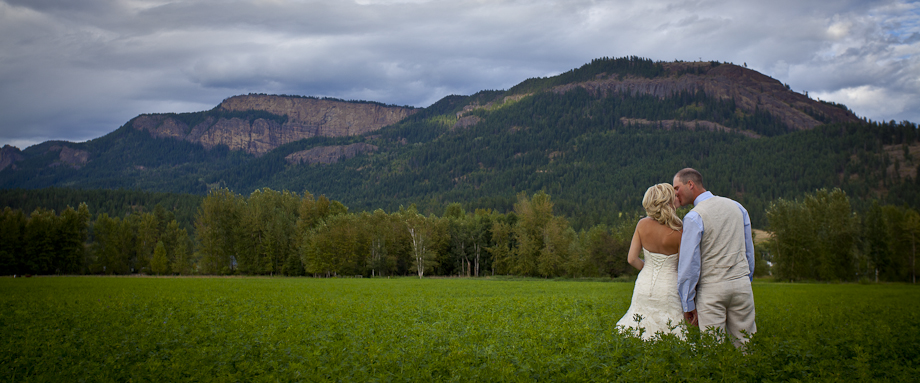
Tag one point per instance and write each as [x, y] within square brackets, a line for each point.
[75, 158]
[299, 118]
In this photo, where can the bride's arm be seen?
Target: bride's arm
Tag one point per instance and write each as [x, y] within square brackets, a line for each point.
[635, 247]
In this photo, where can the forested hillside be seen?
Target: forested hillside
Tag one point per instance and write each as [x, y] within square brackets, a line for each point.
[115, 203]
[594, 138]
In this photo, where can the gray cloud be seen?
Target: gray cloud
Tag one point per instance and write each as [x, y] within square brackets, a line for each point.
[75, 70]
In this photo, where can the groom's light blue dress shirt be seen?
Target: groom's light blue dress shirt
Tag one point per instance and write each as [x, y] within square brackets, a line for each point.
[688, 266]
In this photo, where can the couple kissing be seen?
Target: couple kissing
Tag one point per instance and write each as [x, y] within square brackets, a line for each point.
[695, 272]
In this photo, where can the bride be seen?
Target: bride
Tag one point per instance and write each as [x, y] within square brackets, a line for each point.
[655, 297]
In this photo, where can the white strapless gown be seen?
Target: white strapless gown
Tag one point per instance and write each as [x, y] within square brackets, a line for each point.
[655, 298]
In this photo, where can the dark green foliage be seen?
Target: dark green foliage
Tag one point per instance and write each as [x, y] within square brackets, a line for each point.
[270, 232]
[878, 241]
[129, 245]
[819, 237]
[44, 242]
[12, 230]
[115, 203]
[834, 104]
[816, 238]
[125, 159]
[892, 246]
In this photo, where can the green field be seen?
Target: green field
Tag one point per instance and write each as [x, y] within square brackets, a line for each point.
[298, 329]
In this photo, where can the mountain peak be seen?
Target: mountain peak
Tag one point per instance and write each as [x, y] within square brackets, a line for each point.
[9, 155]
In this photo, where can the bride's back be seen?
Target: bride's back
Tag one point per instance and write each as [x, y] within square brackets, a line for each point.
[658, 238]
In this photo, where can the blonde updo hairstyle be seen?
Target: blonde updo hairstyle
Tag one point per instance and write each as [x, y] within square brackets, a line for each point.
[659, 205]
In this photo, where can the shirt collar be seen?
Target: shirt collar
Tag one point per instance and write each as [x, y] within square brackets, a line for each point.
[702, 197]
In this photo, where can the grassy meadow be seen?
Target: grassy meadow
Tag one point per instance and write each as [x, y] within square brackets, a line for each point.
[301, 329]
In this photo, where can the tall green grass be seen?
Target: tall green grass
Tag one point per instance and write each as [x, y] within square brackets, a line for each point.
[287, 329]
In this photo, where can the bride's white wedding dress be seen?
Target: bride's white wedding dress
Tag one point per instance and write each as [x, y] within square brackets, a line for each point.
[655, 297]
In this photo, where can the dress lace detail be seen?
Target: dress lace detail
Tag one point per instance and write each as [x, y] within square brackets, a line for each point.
[655, 298]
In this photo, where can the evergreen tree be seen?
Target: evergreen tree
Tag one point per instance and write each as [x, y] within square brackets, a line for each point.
[217, 230]
[530, 232]
[877, 235]
[12, 241]
[502, 250]
[160, 264]
[912, 236]
[40, 239]
[182, 262]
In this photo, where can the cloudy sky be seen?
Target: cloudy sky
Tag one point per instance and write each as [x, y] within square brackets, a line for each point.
[78, 69]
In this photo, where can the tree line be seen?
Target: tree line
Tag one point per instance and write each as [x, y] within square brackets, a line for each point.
[44, 242]
[282, 233]
[271, 232]
[817, 237]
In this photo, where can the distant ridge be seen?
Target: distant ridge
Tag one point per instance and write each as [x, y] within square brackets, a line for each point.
[750, 90]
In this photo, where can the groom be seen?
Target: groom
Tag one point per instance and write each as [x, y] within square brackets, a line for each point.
[716, 264]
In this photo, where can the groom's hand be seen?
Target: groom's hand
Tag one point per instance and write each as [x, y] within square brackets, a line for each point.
[692, 318]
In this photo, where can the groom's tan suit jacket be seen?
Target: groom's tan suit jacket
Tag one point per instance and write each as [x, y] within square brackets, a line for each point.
[722, 246]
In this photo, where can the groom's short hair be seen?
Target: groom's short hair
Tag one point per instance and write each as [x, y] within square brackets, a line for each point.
[690, 174]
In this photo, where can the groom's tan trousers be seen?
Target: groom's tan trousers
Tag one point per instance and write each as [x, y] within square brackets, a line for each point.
[729, 306]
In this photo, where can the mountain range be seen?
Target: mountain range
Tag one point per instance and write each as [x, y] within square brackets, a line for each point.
[594, 138]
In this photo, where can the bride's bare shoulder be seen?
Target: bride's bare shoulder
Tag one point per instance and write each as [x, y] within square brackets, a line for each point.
[646, 223]
[650, 223]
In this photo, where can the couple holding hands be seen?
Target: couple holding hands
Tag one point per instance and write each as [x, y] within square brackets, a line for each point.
[699, 270]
